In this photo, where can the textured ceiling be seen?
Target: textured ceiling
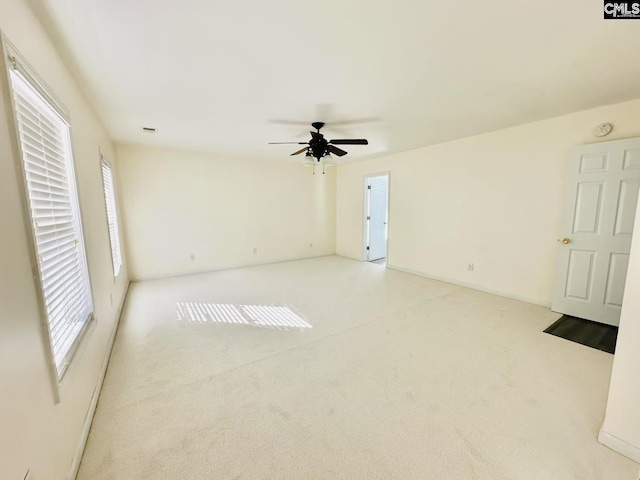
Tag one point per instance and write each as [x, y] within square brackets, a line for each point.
[215, 76]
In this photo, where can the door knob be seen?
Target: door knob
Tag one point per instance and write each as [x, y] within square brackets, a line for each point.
[566, 241]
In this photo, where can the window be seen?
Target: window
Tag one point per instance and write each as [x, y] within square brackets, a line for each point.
[47, 165]
[112, 216]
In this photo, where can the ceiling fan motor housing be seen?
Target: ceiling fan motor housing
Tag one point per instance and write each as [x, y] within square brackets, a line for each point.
[318, 147]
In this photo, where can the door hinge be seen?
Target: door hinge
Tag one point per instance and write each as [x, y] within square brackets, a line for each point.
[367, 247]
[368, 218]
[368, 187]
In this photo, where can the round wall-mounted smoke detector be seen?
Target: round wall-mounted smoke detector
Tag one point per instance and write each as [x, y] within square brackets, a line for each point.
[603, 130]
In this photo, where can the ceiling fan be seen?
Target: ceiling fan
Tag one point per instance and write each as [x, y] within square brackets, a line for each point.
[319, 146]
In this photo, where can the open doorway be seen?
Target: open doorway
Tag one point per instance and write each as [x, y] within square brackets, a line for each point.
[376, 222]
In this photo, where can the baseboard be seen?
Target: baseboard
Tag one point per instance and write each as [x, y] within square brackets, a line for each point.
[620, 446]
[75, 464]
[222, 269]
[351, 258]
[473, 286]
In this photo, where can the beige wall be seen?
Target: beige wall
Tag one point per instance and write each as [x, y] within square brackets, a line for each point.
[621, 429]
[494, 200]
[179, 203]
[36, 433]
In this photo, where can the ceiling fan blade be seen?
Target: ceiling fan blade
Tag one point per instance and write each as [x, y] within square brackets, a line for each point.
[288, 143]
[337, 151]
[353, 141]
[279, 121]
[300, 151]
[355, 121]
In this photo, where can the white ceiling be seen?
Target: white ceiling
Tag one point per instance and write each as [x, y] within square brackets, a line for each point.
[213, 75]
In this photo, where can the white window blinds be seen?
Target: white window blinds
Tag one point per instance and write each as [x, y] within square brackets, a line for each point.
[112, 217]
[53, 206]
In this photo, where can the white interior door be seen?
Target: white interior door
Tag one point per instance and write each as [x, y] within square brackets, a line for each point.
[377, 188]
[601, 197]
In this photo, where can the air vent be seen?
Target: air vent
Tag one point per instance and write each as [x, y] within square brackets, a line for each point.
[148, 129]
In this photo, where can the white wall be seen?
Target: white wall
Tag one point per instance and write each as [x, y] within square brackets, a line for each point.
[621, 429]
[179, 203]
[36, 433]
[494, 200]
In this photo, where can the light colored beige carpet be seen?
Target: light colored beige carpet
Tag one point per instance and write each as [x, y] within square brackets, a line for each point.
[399, 377]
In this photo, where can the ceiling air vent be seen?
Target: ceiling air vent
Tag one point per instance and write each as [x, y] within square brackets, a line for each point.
[148, 129]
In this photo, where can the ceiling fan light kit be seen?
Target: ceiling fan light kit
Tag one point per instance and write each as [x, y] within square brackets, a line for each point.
[326, 161]
[319, 147]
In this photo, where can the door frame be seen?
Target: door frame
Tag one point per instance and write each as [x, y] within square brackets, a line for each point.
[365, 222]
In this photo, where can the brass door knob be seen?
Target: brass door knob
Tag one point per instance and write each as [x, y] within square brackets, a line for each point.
[566, 241]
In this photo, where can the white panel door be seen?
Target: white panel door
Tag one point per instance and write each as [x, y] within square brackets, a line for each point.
[377, 220]
[601, 197]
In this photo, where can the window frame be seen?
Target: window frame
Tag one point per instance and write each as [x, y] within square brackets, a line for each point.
[13, 60]
[105, 163]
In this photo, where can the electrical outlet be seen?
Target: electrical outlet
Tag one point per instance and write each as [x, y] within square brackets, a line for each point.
[193, 257]
[255, 250]
[470, 267]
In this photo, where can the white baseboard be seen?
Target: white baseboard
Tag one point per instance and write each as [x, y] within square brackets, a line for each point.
[473, 286]
[75, 464]
[221, 269]
[620, 446]
[357, 259]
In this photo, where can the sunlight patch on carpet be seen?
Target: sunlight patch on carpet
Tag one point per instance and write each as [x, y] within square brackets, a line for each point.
[268, 316]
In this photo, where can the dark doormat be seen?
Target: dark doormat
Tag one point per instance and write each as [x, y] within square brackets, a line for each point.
[592, 334]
